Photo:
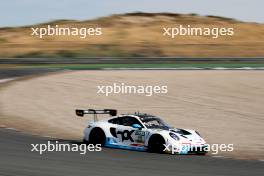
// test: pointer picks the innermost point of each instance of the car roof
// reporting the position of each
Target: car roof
(140, 116)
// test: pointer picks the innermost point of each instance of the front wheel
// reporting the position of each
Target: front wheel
(85, 142)
(156, 144)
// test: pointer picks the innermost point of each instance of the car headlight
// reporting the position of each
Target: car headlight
(174, 136)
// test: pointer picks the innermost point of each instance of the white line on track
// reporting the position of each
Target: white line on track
(13, 129)
(7, 80)
(218, 156)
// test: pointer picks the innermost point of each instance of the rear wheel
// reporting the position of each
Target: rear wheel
(97, 136)
(156, 144)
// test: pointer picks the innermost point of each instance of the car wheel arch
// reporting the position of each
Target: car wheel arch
(156, 135)
(156, 139)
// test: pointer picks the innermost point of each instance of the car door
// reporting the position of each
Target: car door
(129, 136)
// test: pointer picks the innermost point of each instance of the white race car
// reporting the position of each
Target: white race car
(141, 132)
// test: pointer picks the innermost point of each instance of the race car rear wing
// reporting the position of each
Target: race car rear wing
(81, 113)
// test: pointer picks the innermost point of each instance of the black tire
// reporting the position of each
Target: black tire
(156, 144)
(85, 142)
(97, 136)
(202, 153)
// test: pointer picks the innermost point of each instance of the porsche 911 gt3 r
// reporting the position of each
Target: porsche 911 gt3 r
(141, 132)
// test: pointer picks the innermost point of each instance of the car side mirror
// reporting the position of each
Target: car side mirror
(137, 126)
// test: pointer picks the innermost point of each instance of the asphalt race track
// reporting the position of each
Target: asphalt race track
(17, 159)
(19, 72)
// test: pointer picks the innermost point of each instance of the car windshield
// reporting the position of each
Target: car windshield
(154, 123)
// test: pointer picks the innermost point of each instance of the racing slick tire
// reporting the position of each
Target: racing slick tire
(97, 136)
(85, 142)
(156, 144)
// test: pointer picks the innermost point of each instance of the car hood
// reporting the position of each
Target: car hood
(186, 135)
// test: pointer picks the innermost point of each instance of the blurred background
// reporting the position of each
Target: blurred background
(131, 28)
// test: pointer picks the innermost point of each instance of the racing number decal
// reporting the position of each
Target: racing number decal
(140, 136)
(126, 135)
(140, 133)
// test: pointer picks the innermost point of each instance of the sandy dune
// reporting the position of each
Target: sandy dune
(224, 106)
(144, 31)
